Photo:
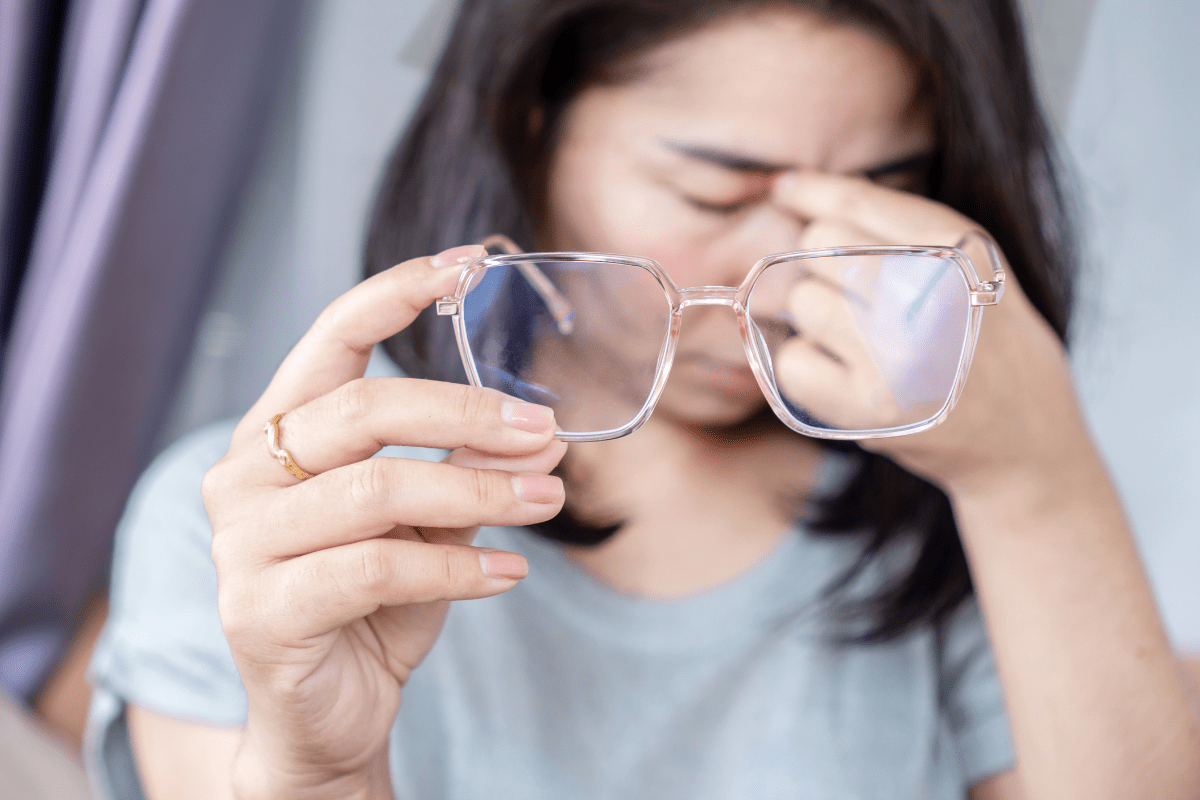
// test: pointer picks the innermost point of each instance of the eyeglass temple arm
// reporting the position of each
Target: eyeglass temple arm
(560, 308)
(989, 291)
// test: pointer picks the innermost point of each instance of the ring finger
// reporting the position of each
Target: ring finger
(357, 419)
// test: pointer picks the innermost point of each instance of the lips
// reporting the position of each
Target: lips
(734, 377)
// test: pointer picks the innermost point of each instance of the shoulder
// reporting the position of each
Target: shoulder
(163, 623)
(165, 511)
(162, 647)
(177, 472)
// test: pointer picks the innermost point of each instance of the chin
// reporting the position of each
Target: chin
(710, 409)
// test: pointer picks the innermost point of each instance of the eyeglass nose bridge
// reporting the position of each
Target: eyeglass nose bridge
(708, 296)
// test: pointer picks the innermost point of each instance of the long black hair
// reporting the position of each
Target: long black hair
(472, 163)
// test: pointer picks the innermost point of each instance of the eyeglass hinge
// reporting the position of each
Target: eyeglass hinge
(447, 308)
(989, 292)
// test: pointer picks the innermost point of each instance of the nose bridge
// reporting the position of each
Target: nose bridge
(707, 296)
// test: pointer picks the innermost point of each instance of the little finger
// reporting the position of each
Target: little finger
(542, 461)
(326, 590)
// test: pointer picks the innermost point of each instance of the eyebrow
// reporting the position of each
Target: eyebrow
(723, 158)
(738, 162)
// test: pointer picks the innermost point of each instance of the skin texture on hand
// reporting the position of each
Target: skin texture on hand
(332, 590)
(1098, 702)
(996, 431)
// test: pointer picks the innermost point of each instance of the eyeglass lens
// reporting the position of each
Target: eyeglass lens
(598, 372)
(849, 343)
(857, 343)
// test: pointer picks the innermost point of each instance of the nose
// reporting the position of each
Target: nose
(725, 261)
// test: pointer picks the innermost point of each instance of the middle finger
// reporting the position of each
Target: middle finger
(370, 498)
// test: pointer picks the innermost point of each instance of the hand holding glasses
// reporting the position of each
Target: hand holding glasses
(845, 343)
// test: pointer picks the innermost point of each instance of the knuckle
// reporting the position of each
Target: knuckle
(355, 400)
(223, 550)
(376, 567)
(445, 572)
(237, 606)
(215, 484)
(480, 487)
(371, 485)
(452, 573)
(235, 622)
(334, 321)
(328, 321)
(472, 407)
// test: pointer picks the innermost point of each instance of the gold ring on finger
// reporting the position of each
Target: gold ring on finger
(279, 453)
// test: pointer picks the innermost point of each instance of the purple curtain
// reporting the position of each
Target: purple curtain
(156, 116)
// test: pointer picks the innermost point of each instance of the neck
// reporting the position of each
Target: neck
(697, 507)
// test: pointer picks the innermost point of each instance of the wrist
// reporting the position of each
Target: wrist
(1065, 494)
(260, 776)
(1042, 472)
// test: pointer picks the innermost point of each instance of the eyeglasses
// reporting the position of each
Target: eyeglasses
(844, 343)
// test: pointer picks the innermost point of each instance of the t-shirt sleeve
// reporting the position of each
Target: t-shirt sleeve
(972, 699)
(162, 646)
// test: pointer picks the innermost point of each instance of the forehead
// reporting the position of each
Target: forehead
(781, 84)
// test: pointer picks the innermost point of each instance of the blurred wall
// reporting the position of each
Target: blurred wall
(299, 237)
(1119, 81)
(1132, 130)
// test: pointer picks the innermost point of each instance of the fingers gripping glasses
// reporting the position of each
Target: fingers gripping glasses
(844, 343)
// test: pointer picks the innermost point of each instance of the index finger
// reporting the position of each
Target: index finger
(895, 217)
(337, 346)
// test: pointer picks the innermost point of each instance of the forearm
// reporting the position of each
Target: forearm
(183, 760)
(1100, 705)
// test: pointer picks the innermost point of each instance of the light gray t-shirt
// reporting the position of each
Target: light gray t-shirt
(563, 688)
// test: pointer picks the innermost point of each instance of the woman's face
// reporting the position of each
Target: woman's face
(677, 164)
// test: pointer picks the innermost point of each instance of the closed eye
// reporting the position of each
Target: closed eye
(724, 209)
(909, 174)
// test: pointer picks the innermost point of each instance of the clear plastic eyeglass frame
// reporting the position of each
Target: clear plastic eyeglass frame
(981, 293)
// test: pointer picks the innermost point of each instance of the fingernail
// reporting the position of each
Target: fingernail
(457, 256)
(538, 488)
(527, 416)
(499, 564)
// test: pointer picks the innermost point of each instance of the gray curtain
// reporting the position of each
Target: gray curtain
(155, 116)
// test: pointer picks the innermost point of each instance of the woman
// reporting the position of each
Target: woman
(715, 606)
